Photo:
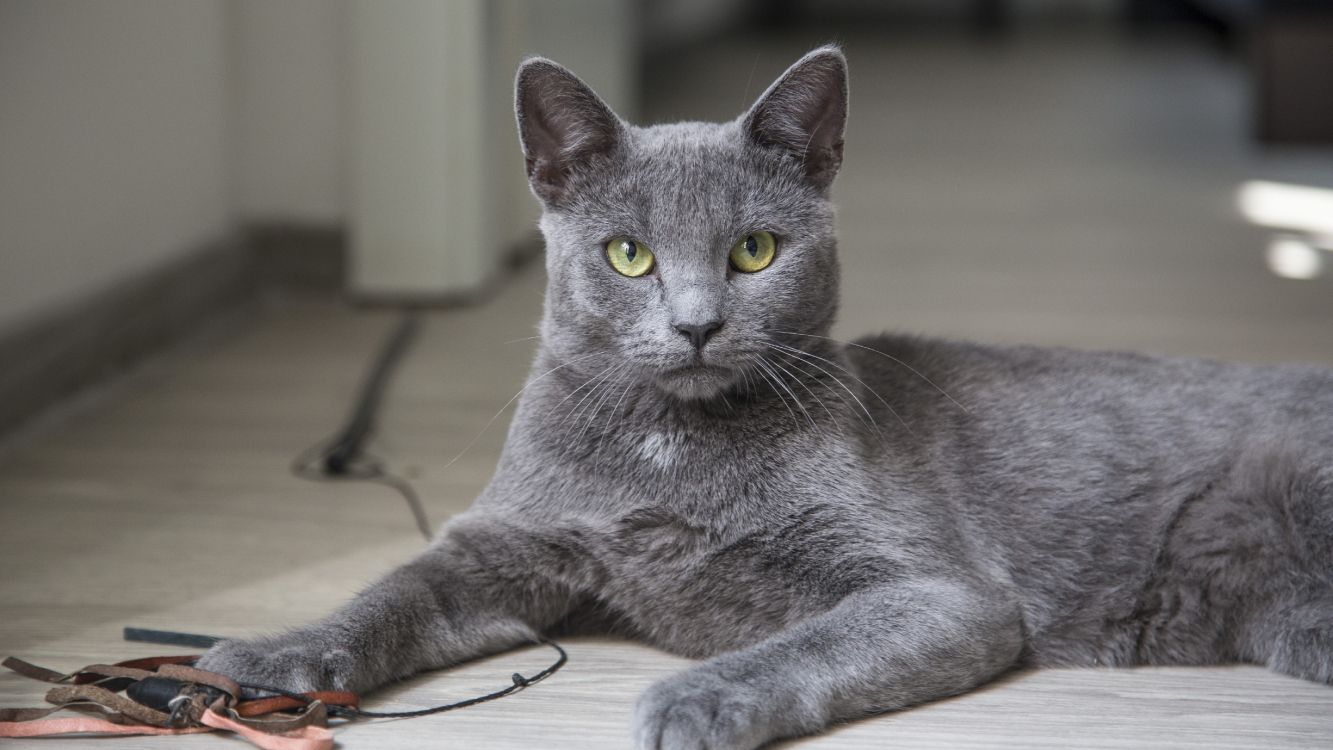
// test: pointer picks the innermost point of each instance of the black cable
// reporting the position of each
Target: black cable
(346, 446)
(343, 456)
(518, 683)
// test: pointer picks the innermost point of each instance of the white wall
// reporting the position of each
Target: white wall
(134, 132)
(417, 180)
(290, 109)
(113, 137)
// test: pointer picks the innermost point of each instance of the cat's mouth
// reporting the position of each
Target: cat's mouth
(696, 381)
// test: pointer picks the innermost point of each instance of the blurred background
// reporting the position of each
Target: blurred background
(1062, 171)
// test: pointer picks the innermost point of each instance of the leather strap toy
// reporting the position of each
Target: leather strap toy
(164, 695)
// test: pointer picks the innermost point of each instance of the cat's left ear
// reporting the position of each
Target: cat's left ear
(804, 113)
(562, 125)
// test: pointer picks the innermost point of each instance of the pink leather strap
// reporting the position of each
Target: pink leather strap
(84, 725)
(306, 738)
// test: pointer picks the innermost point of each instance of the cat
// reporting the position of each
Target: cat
(836, 529)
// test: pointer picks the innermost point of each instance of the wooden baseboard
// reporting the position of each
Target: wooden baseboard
(64, 352)
(60, 354)
(103, 335)
(299, 256)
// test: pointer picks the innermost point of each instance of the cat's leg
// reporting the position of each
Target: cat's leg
(877, 650)
(1289, 626)
(482, 587)
(1299, 641)
(1292, 630)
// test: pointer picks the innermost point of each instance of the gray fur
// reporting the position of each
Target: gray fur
(836, 529)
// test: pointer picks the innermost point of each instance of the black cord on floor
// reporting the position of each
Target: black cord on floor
(518, 682)
(343, 456)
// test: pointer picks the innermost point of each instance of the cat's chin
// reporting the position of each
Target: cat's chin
(697, 382)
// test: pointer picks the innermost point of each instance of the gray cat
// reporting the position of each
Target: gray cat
(836, 529)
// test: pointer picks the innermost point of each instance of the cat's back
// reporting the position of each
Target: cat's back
(1030, 390)
(1069, 472)
(1046, 441)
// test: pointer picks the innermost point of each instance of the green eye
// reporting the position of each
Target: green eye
(629, 257)
(754, 252)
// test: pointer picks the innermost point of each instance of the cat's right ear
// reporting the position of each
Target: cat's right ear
(562, 125)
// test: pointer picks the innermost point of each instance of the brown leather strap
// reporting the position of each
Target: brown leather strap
(26, 714)
(283, 703)
(32, 714)
(28, 669)
(112, 670)
(150, 663)
(108, 712)
(61, 696)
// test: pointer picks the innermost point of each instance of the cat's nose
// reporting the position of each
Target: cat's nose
(698, 333)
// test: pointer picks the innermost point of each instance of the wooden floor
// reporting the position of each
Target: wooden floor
(1074, 192)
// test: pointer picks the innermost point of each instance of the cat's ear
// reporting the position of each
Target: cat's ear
(804, 112)
(562, 124)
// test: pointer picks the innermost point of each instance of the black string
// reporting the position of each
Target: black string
(342, 457)
(518, 683)
(365, 468)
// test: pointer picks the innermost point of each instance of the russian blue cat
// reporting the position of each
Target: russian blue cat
(835, 529)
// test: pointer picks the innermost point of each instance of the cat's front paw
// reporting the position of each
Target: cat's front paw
(700, 708)
(289, 663)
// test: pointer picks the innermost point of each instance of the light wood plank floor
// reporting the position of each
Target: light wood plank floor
(1070, 192)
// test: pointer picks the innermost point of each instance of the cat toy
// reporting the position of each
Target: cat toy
(166, 695)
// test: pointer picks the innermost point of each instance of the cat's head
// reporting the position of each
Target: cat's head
(677, 253)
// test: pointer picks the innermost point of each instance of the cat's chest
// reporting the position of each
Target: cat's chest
(700, 553)
(695, 586)
(703, 536)
(698, 468)
(662, 451)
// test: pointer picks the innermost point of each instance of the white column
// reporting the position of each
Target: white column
(436, 187)
(417, 174)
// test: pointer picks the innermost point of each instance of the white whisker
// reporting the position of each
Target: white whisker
(531, 382)
(576, 412)
(801, 383)
(596, 408)
(805, 354)
(612, 416)
(764, 363)
(890, 357)
(767, 379)
(796, 363)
